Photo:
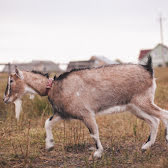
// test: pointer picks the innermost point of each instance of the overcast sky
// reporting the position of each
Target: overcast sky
(64, 30)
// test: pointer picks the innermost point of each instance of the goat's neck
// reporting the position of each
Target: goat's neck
(35, 83)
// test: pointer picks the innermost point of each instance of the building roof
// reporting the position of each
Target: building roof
(79, 65)
(162, 45)
(143, 53)
(103, 59)
(94, 61)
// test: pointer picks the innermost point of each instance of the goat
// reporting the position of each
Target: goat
(81, 94)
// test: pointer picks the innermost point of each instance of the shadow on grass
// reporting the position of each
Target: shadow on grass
(80, 148)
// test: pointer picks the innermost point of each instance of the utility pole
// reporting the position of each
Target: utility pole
(161, 28)
(161, 38)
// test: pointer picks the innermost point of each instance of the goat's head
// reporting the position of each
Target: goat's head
(15, 86)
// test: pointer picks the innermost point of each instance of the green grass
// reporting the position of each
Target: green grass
(22, 144)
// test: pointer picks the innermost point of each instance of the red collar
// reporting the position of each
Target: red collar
(49, 83)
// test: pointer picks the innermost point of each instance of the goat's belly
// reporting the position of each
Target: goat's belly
(114, 109)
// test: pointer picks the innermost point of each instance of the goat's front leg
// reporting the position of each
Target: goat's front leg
(48, 127)
(91, 124)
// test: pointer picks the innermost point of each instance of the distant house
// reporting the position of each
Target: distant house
(43, 66)
(94, 61)
(159, 55)
(79, 65)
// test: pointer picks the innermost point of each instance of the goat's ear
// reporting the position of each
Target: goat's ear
(19, 73)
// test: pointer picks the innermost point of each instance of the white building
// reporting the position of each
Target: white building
(159, 55)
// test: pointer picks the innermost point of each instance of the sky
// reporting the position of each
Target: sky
(71, 30)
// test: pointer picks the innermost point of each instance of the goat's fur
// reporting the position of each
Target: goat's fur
(81, 94)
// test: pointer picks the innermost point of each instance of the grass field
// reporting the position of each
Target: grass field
(22, 144)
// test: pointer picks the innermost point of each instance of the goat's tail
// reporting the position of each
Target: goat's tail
(148, 65)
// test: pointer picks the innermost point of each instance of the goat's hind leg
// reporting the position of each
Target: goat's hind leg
(164, 118)
(156, 111)
(151, 120)
(48, 127)
(154, 124)
(166, 129)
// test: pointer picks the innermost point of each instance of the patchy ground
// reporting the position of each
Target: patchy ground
(22, 144)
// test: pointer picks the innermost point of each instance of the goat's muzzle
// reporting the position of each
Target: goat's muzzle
(6, 100)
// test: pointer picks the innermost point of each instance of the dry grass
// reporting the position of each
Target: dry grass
(22, 144)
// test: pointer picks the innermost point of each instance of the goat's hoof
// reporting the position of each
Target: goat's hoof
(143, 150)
(167, 139)
(146, 146)
(49, 145)
(50, 148)
(92, 149)
(97, 154)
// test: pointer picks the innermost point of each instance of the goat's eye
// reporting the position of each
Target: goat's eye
(11, 81)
